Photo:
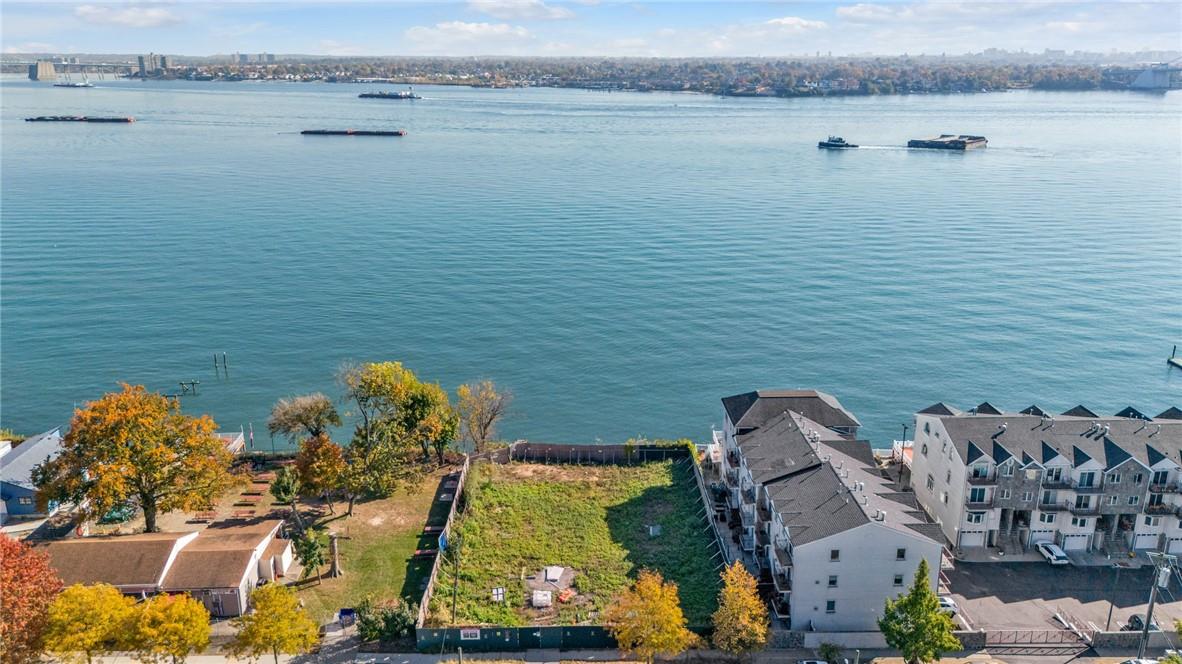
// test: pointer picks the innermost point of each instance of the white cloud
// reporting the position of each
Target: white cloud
(535, 10)
(334, 47)
(31, 47)
(134, 16)
(797, 24)
(464, 38)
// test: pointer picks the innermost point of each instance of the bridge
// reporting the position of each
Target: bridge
(1159, 76)
(47, 70)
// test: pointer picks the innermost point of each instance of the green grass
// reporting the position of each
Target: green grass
(377, 558)
(591, 518)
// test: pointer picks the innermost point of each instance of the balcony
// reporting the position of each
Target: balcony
(732, 476)
(1090, 508)
(1163, 488)
(749, 496)
(732, 458)
(1161, 509)
(783, 582)
(1092, 488)
(747, 516)
(986, 480)
(1061, 483)
(747, 542)
(765, 515)
(1053, 507)
(975, 505)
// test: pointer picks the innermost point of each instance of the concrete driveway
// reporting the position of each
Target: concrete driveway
(1027, 595)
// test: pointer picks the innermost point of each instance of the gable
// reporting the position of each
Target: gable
(1080, 411)
(939, 408)
(1132, 413)
(986, 408)
(1033, 410)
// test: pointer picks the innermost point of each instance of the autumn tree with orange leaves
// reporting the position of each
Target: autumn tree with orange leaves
(27, 587)
(135, 446)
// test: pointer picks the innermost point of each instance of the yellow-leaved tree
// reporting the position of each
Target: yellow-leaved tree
(85, 621)
(276, 624)
(646, 619)
(170, 628)
(136, 446)
(741, 621)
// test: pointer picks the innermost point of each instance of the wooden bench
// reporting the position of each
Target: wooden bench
(425, 553)
(243, 514)
(432, 530)
(205, 516)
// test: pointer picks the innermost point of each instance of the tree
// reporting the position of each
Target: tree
(310, 550)
(428, 418)
(170, 628)
(285, 489)
(309, 415)
(27, 586)
(914, 625)
(481, 405)
(829, 652)
(85, 621)
(647, 620)
(320, 465)
(137, 445)
(741, 621)
(378, 456)
(277, 624)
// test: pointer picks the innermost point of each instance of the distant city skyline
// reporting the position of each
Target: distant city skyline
(587, 27)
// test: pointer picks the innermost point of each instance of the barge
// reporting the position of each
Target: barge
(79, 118)
(835, 143)
(352, 132)
(409, 94)
(949, 142)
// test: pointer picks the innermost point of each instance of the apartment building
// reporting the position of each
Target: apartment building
(830, 536)
(1080, 480)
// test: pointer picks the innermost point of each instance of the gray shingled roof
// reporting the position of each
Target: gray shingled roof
(753, 409)
(1108, 440)
(16, 467)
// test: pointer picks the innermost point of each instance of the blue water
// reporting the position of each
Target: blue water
(620, 261)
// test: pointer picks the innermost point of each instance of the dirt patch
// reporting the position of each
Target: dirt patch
(551, 473)
(377, 520)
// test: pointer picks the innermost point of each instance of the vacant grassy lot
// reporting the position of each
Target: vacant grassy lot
(592, 519)
(377, 558)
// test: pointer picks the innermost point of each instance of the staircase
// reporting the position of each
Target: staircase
(1116, 545)
(1009, 544)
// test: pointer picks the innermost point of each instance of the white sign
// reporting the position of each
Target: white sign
(469, 635)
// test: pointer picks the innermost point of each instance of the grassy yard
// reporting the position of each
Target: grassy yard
(377, 557)
(593, 519)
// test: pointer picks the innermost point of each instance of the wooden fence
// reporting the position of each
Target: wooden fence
(425, 602)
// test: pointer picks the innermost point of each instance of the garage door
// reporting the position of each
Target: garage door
(1042, 536)
(1174, 545)
(1075, 542)
(972, 538)
(1145, 541)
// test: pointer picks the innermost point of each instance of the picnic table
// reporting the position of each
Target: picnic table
(243, 514)
(264, 477)
(205, 516)
(432, 530)
(425, 553)
(250, 500)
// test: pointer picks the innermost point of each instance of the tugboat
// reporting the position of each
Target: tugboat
(84, 83)
(408, 94)
(835, 143)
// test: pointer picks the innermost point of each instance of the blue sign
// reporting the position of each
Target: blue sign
(443, 542)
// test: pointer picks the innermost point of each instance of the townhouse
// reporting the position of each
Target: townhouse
(829, 534)
(1078, 479)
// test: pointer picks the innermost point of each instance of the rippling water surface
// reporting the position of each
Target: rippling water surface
(620, 261)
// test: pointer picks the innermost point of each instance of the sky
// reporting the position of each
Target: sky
(660, 28)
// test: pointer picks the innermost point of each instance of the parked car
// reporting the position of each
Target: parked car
(1137, 623)
(948, 605)
(1139, 661)
(1053, 553)
(811, 661)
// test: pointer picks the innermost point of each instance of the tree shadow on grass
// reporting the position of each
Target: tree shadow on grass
(418, 569)
(683, 550)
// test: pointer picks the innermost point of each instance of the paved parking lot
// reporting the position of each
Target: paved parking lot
(1027, 595)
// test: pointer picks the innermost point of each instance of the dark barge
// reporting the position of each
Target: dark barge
(79, 118)
(949, 142)
(352, 132)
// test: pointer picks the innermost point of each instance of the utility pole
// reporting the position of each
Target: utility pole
(456, 543)
(1112, 596)
(1162, 565)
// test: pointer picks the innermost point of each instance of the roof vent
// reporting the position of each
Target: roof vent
(1155, 431)
(879, 515)
(865, 500)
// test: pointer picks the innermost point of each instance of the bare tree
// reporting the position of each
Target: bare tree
(480, 405)
(306, 416)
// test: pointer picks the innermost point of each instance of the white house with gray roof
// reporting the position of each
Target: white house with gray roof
(1078, 479)
(830, 535)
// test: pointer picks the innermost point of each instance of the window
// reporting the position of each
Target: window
(1079, 522)
(931, 482)
(1152, 520)
(1087, 479)
(924, 449)
(1112, 500)
(944, 497)
(1048, 497)
(24, 500)
(948, 477)
(1083, 502)
(1054, 474)
(977, 495)
(927, 427)
(1007, 470)
(832, 580)
(975, 517)
(1027, 496)
(900, 554)
(980, 471)
(834, 555)
(1005, 494)
(1133, 500)
(1113, 478)
(898, 580)
(1047, 517)
(1155, 499)
(1138, 478)
(831, 606)
(1160, 477)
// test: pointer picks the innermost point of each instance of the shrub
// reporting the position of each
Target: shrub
(386, 621)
